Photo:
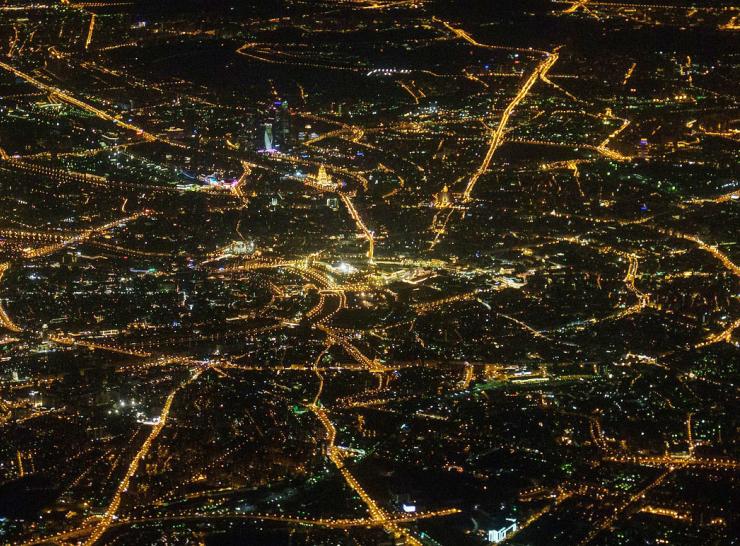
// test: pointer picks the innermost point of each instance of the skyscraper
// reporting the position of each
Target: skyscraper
(282, 124)
(268, 136)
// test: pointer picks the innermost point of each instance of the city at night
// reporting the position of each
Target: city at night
(370, 272)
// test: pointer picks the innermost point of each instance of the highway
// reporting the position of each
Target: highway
(619, 510)
(675, 461)
(497, 134)
(496, 138)
(574, 5)
(723, 336)
(238, 188)
(366, 233)
(335, 456)
(472, 41)
(112, 509)
(90, 30)
(195, 516)
(5, 320)
(69, 99)
(731, 266)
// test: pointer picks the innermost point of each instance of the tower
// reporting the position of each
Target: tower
(268, 137)
(323, 178)
(282, 124)
(275, 127)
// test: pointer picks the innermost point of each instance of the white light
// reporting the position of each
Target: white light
(345, 268)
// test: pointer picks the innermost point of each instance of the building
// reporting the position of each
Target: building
(282, 124)
(268, 137)
(323, 178)
(275, 127)
(442, 199)
(499, 535)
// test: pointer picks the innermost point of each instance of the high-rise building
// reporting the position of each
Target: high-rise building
(275, 127)
(282, 124)
(268, 136)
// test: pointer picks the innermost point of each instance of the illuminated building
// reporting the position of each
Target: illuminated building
(499, 535)
(268, 137)
(323, 179)
(442, 199)
(282, 125)
(275, 127)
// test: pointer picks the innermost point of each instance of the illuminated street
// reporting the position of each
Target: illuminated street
(369, 272)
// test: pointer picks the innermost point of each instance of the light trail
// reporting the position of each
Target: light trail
(371, 364)
(606, 152)
(83, 236)
(426, 307)
(248, 48)
(5, 320)
(497, 134)
(69, 99)
(599, 3)
(409, 91)
(600, 220)
(610, 520)
(690, 434)
(472, 41)
(335, 456)
(578, 4)
(611, 154)
(467, 377)
(13, 43)
(723, 336)
(318, 374)
(732, 24)
(61, 175)
(90, 31)
(238, 188)
(70, 341)
(91, 5)
(9, 324)
(109, 514)
(628, 75)
(643, 300)
(338, 523)
(525, 326)
(129, 251)
(666, 512)
(573, 166)
(559, 499)
(724, 198)
(711, 249)
(673, 461)
(560, 88)
(366, 233)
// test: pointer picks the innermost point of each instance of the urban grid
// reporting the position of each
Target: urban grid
(370, 272)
